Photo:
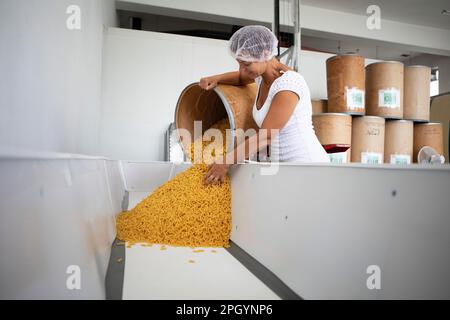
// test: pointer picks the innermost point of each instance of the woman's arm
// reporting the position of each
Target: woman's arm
(233, 78)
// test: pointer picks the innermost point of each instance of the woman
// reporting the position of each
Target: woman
(282, 103)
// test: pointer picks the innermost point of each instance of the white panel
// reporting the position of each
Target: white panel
(54, 214)
(116, 184)
(144, 178)
(147, 176)
(179, 168)
(135, 197)
(318, 228)
(154, 274)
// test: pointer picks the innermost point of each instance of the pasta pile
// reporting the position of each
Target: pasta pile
(183, 212)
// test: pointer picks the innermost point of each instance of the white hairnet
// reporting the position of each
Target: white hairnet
(253, 44)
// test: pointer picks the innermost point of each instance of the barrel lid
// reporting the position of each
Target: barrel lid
(344, 55)
(331, 114)
(429, 124)
(400, 120)
(373, 117)
(418, 66)
(385, 62)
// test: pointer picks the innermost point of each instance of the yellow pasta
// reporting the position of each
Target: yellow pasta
(183, 212)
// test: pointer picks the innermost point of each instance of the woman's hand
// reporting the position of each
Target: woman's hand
(216, 173)
(208, 83)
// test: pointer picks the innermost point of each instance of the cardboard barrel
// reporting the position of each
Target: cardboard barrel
(346, 84)
(398, 142)
(384, 89)
(428, 134)
(319, 106)
(209, 107)
(334, 129)
(417, 93)
(440, 112)
(368, 139)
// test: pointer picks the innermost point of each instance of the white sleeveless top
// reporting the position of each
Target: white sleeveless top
(297, 141)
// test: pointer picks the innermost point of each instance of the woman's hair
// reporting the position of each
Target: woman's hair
(253, 44)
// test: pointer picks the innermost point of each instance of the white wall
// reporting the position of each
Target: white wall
(50, 77)
(56, 211)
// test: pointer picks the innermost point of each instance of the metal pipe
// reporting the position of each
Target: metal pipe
(276, 22)
(297, 35)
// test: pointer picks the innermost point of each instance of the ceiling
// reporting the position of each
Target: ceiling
(421, 12)
(352, 45)
(418, 12)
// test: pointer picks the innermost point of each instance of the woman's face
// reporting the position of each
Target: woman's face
(251, 70)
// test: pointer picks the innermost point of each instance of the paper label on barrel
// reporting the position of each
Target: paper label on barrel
(371, 158)
(338, 157)
(355, 99)
(400, 159)
(389, 98)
